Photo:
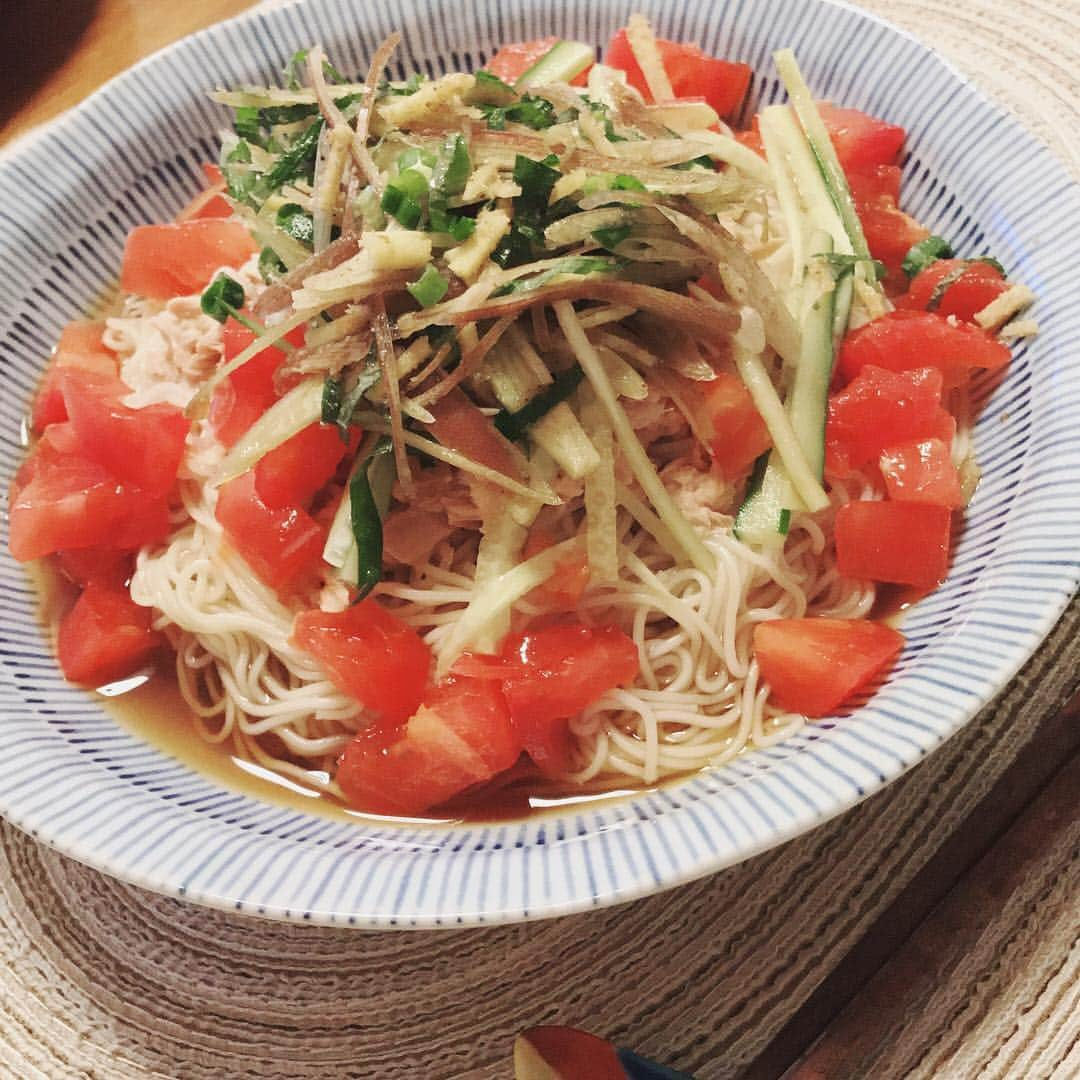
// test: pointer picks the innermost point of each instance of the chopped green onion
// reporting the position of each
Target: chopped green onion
(611, 237)
(453, 167)
(536, 179)
(491, 90)
(514, 425)
(413, 155)
(224, 296)
(922, 254)
(429, 288)
(270, 265)
(405, 89)
(296, 159)
(293, 219)
(365, 517)
(298, 60)
(403, 197)
(532, 112)
(246, 124)
(581, 265)
(341, 395)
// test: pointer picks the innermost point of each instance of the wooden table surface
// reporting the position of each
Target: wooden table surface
(942, 911)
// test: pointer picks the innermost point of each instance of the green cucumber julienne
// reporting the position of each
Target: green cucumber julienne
(561, 63)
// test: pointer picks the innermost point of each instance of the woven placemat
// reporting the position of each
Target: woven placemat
(100, 979)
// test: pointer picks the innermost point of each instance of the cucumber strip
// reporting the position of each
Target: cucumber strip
(560, 63)
(765, 514)
(753, 374)
(299, 408)
(817, 136)
(807, 401)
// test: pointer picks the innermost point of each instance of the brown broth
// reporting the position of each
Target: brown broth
(150, 706)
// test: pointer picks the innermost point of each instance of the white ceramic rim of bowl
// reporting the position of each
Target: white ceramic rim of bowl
(641, 845)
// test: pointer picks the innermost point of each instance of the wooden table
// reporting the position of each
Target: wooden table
(941, 913)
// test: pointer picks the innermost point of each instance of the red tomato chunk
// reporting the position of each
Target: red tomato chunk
(903, 340)
(138, 446)
(81, 347)
(459, 737)
(692, 73)
(282, 545)
(106, 636)
(879, 409)
(905, 543)
(250, 390)
(922, 472)
(551, 675)
(973, 286)
(163, 261)
(61, 500)
(290, 474)
(368, 653)
(862, 141)
(740, 435)
(814, 665)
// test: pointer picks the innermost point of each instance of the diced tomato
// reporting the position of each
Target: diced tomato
(211, 201)
(281, 544)
(80, 346)
(862, 141)
(566, 1052)
(903, 340)
(290, 474)
(250, 390)
(460, 425)
(556, 672)
(163, 261)
(813, 665)
(460, 736)
(976, 285)
(106, 566)
(881, 408)
(61, 500)
(512, 61)
(692, 73)
(740, 433)
(105, 636)
(142, 447)
(889, 232)
(371, 655)
(922, 472)
(874, 182)
(902, 542)
(564, 588)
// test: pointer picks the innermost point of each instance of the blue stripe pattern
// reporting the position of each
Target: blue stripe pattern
(131, 154)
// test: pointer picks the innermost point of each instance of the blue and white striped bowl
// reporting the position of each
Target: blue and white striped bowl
(131, 154)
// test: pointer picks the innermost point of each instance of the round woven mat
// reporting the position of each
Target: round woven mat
(103, 980)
